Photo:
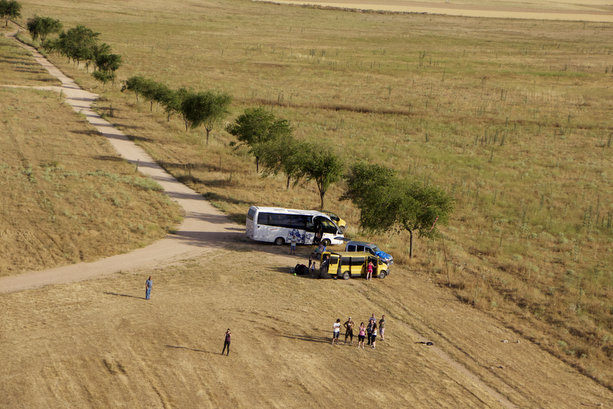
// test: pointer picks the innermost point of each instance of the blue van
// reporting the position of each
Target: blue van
(364, 247)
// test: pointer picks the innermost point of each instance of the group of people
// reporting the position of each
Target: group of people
(370, 331)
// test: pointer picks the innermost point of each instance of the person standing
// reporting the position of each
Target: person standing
(371, 321)
(349, 330)
(361, 334)
(226, 342)
(373, 337)
(148, 287)
(323, 267)
(292, 242)
(369, 270)
(311, 264)
(382, 327)
(337, 331)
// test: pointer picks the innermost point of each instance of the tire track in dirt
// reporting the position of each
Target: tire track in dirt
(204, 228)
(456, 365)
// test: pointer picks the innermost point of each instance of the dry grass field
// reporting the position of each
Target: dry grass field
(512, 117)
(67, 196)
(100, 344)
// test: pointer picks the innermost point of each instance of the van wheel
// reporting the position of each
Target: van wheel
(279, 241)
(382, 274)
(346, 275)
(325, 242)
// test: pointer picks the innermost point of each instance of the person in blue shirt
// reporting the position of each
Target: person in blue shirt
(148, 287)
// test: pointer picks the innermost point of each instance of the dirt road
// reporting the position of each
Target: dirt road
(537, 10)
(203, 227)
(98, 343)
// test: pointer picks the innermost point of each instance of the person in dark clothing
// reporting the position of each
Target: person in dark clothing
(349, 330)
(369, 331)
(226, 342)
(323, 267)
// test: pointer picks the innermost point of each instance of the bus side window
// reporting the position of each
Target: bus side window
(264, 218)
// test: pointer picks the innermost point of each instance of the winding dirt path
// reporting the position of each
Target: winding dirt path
(203, 227)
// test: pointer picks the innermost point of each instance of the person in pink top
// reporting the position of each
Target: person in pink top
(361, 335)
(369, 269)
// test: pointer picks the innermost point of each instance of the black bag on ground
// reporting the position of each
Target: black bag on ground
(301, 269)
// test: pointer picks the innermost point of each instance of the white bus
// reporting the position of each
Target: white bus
(275, 225)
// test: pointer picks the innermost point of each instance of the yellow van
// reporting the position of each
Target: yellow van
(351, 264)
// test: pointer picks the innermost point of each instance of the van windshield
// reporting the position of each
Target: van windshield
(326, 225)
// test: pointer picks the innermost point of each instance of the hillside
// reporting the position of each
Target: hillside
(509, 116)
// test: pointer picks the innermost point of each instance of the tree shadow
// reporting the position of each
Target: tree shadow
(138, 138)
(221, 198)
(84, 132)
(109, 158)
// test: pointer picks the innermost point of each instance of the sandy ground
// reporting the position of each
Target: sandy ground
(98, 343)
(590, 10)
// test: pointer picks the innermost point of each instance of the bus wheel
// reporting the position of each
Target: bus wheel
(382, 274)
(346, 275)
(279, 241)
(325, 242)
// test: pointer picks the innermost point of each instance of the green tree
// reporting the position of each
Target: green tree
(108, 62)
(97, 51)
(104, 76)
(148, 88)
(324, 167)
(78, 43)
(172, 100)
(134, 84)
(9, 9)
(387, 202)
(257, 126)
(283, 154)
(205, 108)
(363, 179)
(42, 27)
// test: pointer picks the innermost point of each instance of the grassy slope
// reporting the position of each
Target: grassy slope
(67, 196)
(512, 117)
(99, 344)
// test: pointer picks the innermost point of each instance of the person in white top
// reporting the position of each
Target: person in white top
(337, 331)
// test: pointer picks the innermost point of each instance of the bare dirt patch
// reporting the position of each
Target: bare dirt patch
(540, 10)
